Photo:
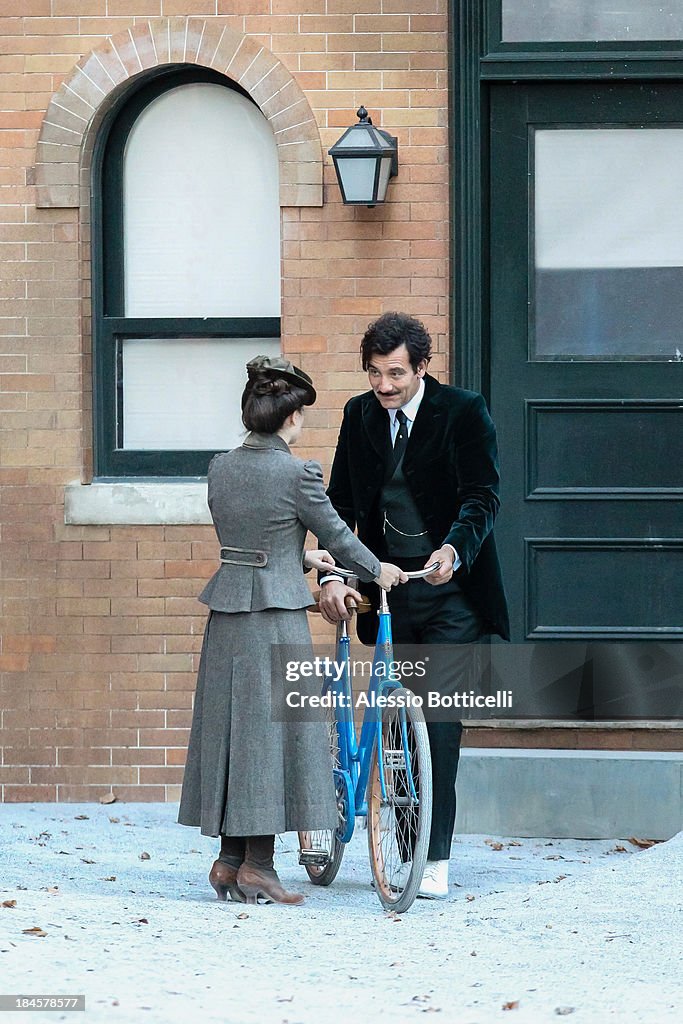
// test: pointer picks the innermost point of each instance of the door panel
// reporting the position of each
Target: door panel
(586, 314)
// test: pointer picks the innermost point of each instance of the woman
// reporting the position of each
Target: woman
(248, 777)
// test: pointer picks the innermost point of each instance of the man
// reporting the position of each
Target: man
(416, 472)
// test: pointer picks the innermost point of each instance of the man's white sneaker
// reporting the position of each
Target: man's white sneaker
(434, 885)
(399, 876)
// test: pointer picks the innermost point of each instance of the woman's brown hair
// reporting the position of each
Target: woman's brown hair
(268, 400)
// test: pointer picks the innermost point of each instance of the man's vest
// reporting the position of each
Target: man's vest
(405, 533)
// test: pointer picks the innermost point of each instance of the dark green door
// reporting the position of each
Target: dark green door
(586, 356)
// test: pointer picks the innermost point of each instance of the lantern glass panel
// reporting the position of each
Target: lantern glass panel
(358, 177)
(384, 172)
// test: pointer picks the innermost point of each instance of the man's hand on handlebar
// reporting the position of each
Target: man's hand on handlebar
(333, 601)
(445, 570)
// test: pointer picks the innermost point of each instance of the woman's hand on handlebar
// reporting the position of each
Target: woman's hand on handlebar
(390, 576)
(319, 559)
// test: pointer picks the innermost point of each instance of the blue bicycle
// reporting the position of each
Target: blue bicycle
(385, 775)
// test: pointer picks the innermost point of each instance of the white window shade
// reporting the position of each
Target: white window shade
(200, 208)
(608, 244)
(609, 197)
(184, 393)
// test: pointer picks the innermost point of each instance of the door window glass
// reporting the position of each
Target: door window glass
(607, 244)
(590, 20)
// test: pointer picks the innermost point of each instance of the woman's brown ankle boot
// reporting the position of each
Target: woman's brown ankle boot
(258, 879)
(223, 874)
(223, 877)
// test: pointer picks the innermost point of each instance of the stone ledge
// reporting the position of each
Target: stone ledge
(586, 794)
(133, 502)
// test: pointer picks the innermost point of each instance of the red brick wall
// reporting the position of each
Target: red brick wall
(100, 625)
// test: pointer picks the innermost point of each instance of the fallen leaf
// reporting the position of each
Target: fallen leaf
(109, 878)
(86, 861)
(513, 1005)
(115, 821)
(493, 845)
(141, 920)
(108, 798)
(81, 817)
(644, 844)
(145, 856)
(392, 915)
(513, 842)
(53, 890)
(38, 932)
(562, 1011)
(243, 917)
(9, 903)
(620, 849)
(469, 898)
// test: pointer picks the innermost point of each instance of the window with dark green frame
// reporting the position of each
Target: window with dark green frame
(186, 271)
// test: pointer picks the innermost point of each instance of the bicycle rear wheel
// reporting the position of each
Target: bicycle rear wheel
(399, 821)
(321, 851)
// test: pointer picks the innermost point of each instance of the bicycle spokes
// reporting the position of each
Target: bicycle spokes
(399, 807)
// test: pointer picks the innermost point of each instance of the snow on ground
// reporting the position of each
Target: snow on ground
(535, 929)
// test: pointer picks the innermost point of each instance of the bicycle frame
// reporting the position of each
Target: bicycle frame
(356, 755)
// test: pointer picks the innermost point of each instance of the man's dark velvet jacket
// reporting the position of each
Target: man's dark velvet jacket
(451, 468)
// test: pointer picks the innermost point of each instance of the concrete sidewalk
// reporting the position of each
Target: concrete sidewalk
(535, 929)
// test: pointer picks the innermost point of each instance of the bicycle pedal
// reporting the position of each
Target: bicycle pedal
(394, 759)
(316, 857)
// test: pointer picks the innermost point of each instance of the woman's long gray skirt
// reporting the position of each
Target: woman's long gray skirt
(245, 773)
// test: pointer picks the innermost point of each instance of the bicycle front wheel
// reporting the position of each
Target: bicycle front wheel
(400, 813)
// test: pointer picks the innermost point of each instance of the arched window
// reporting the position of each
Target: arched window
(186, 271)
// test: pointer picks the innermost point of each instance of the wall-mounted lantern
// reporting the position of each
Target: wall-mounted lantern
(365, 158)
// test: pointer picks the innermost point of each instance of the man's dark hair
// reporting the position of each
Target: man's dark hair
(389, 332)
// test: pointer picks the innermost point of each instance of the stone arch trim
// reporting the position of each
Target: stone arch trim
(78, 107)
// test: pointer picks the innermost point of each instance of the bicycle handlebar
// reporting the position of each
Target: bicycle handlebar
(417, 574)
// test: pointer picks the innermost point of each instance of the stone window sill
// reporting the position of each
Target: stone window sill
(133, 502)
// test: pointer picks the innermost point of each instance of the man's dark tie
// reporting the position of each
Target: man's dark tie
(401, 440)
